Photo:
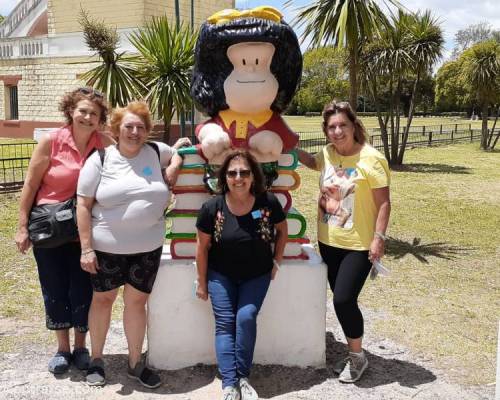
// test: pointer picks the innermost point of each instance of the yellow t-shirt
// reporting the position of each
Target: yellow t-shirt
(346, 210)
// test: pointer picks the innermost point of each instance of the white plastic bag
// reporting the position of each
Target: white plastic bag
(378, 268)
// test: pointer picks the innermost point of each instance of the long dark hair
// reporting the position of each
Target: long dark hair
(257, 187)
(344, 107)
(212, 66)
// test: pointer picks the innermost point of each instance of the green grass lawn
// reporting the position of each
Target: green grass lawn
(313, 124)
(442, 297)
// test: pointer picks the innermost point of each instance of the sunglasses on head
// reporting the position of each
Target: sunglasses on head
(89, 91)
(243, 173)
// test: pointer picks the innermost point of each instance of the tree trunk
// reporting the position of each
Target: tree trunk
(167, 122)
(406, 131)
(484, 127)
(493, 129)
(381, 123)
(353, 77)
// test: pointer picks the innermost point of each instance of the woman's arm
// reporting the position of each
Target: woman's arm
(173, 169)
(40, 161)
(279, 246)
(382, 199)
(182, 142)
(88, 259)
(306, 159)
(203, 241)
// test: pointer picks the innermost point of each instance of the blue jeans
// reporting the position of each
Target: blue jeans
(235, 305)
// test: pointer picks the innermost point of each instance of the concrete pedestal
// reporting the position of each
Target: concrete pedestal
(290, 326)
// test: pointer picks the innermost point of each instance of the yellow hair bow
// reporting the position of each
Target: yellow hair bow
(262, 12)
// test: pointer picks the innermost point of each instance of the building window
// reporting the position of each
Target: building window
(13, 109)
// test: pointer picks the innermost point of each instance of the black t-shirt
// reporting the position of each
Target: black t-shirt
(241, 245)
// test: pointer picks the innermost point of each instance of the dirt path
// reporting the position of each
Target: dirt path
(394, 373)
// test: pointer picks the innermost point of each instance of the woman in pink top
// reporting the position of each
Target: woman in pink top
(51, 178)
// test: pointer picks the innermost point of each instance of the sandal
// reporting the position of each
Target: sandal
(81, 358)
(144, 375)
(95, 373)
(59, 364)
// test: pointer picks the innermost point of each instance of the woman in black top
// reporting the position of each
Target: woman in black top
(236, 262)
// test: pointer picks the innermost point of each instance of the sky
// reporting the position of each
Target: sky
(453, 14)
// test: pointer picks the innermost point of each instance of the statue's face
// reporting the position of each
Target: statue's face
(251, 87)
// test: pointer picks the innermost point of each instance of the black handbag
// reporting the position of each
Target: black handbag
(52, 225)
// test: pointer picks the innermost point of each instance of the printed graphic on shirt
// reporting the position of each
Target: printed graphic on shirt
(337, 191)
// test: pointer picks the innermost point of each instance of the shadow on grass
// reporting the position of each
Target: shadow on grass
(421, 251)
(432, 168)
(268, 380)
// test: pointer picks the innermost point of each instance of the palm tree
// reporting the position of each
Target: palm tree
(482, 71)
(424, 47)
(166, 56)
(115, 75)
(346, 23)
(405, 49)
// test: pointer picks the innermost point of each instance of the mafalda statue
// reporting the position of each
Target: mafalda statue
(247, 68)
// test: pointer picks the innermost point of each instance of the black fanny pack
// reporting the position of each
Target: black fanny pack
(52, 225)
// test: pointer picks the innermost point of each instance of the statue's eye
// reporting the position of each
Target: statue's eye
(256, 61)
(244, 62)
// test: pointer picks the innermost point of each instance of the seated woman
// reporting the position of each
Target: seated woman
(121, 198)
(236, 262)
(51, 178)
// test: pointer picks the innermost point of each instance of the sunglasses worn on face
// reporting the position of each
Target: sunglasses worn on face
(88, 91)
(243, 173)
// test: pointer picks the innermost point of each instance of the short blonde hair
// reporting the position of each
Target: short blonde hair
(139, 108)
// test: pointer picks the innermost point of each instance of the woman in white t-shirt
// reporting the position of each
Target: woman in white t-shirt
(122, 195)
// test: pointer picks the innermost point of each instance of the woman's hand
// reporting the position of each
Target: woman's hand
(276, 268)
(202, 290)
(377, 249)
(88, 261)
(22, 240)
(182, 142)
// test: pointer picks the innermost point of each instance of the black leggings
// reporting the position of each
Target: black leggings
(347, 273)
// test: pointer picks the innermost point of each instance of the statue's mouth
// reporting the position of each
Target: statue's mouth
(250, 81)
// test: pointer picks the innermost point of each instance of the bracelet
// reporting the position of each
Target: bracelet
(381, 236)
(84, 253)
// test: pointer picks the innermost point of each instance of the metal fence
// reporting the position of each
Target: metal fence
(14, 157)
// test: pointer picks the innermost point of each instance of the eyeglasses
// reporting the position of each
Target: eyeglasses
(243, 173)
(89, 91)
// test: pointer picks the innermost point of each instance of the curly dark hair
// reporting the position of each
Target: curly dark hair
(71, 99)
(344, 107)
(212, 66)
(258, 186)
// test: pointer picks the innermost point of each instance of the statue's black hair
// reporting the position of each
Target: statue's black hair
(212, 65)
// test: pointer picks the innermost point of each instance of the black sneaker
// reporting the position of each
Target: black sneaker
(144, 375)
(59, 364)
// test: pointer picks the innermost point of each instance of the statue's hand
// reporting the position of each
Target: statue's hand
(214, 141)
(266, 146)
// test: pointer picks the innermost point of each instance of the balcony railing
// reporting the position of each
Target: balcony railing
(23, 48)
(17, 16)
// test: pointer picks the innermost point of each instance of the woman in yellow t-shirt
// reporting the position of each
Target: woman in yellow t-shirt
(353, 213)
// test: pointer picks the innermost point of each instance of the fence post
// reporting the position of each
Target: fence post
(471, 134)
(371, 140)
(452, 134)
(430, 138)
(456, 128)
(423, 130)
(441, 129)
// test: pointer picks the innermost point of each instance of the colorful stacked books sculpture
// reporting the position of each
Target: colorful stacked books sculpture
(190, 193)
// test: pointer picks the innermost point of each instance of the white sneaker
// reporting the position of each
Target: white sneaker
(247, 391)
(354, 367)
(230, 393)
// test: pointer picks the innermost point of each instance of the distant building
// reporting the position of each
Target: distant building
(42, 51)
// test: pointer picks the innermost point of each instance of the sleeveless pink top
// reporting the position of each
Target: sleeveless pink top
(60, 179)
